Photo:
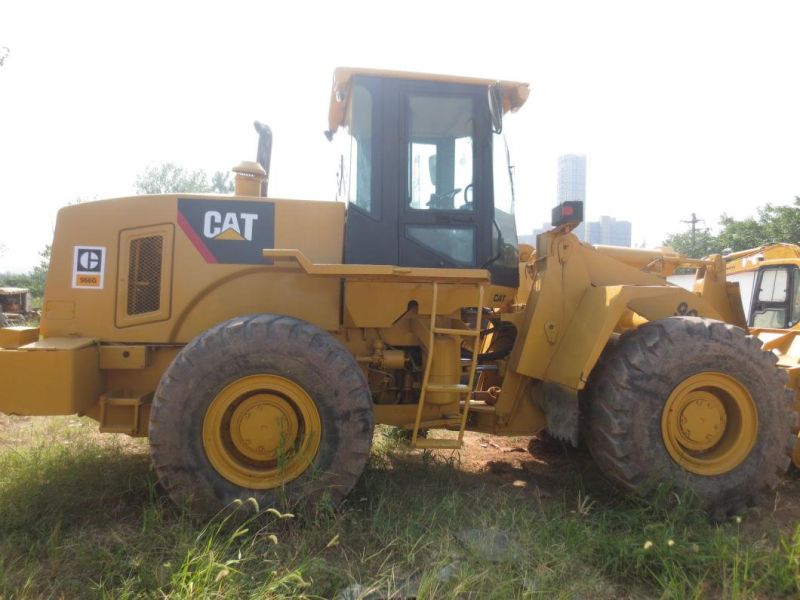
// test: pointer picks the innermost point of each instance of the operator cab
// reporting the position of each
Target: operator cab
(774, 301)
(425, 170)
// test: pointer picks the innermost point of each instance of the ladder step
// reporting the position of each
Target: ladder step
(448, 387)
(480, 407)
(449, 331)
(438, 443)
(467, 362)
(432, 423)
(111, 401)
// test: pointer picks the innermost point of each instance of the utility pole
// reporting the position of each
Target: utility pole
(693, 222)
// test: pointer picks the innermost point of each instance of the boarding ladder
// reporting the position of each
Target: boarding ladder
(460, 388)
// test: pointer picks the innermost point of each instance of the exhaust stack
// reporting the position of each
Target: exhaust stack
(250, 179)
(264, 153)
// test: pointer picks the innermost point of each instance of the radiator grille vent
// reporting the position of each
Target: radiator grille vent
(144, 275)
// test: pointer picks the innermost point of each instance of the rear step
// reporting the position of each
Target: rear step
(122, 412)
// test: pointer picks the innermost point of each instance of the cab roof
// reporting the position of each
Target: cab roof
(514, 93)
(768, 254)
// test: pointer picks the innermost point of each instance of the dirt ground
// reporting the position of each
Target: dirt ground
(544, 467)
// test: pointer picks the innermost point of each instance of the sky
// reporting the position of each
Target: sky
(679, 106)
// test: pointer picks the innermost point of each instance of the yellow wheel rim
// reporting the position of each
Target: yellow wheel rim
(709, 423)
(261, 431)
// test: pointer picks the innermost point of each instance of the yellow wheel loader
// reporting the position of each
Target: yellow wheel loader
(256, 340)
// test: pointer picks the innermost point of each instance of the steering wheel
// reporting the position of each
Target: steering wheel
(444, 201)
(467, 198)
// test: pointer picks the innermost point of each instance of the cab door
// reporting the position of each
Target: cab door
(445, 203)
(776, 298)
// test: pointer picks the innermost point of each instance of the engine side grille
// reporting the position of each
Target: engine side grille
(144, 275)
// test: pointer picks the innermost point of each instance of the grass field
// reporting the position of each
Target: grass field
(82, 516)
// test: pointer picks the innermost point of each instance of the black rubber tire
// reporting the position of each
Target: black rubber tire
(625, 397)
(250, 345)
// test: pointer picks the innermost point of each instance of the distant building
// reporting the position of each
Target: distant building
(609, 232)
(545, 227)
(530, 238)
(527, 238)
(572, 183)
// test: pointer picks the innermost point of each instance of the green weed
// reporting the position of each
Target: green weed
(82, 516)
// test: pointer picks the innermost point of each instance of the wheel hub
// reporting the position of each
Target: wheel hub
(263, 424)
(261, 431)
(702, 421)
(709, 423)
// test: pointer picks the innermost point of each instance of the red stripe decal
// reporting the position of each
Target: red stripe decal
(195, 239)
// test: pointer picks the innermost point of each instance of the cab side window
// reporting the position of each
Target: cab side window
(440, 153)
(771, 308)
(359, 178)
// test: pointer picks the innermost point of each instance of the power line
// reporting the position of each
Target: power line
(693, 222)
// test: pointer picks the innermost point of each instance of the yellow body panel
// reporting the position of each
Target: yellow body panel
(58, 376)
(200, 295)
(14, 337)
(123, 356)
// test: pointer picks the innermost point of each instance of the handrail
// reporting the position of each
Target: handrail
(358, 272)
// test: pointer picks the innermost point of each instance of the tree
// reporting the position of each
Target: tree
(740, 235)
(169, 178)
(705, 243)
(221, 183)
(773, 224)
(33, 279)
(782, 223)
(39, 272)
